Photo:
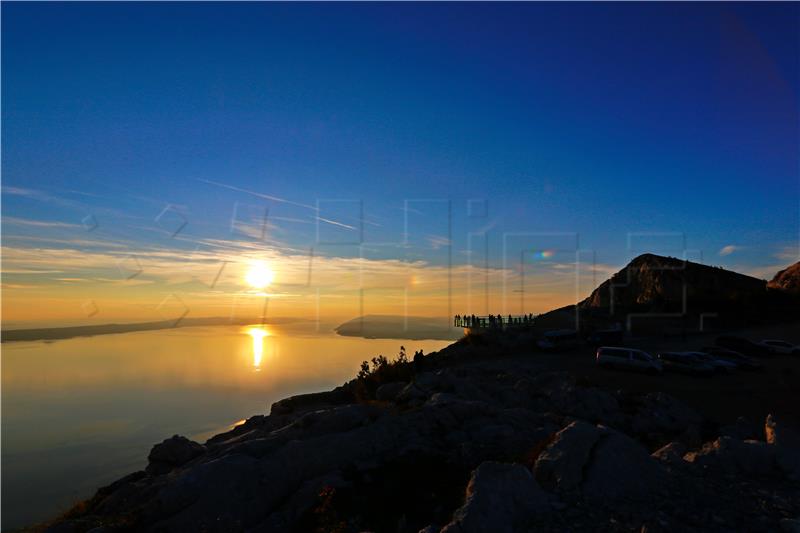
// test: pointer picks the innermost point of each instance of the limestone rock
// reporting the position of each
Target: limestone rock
(661, 414)
(314, 400)
(786, 443)
(598, 462)
(620, 468)
(751, 457)
(560, 466)
(171, 453)
(671, 453)
(500, 498)
(742, 429)
(389, 391)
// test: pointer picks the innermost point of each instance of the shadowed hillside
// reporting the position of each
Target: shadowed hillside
(666, 292)
(666, 284)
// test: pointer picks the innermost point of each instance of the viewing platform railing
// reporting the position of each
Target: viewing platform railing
(492, 321)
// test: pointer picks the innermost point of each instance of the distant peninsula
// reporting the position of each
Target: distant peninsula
(399, 327)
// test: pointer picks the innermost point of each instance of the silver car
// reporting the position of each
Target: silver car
(627, 358)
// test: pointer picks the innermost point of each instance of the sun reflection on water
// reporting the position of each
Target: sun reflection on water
(258, 333)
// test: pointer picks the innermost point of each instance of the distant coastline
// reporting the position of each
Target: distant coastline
(368, 327)
(60, 333)
(399, 327)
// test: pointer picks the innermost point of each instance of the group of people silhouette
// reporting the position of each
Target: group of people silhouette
(492, 321)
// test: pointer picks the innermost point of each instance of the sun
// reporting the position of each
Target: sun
(259, 275)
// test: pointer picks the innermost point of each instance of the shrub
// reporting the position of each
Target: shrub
(380, 370)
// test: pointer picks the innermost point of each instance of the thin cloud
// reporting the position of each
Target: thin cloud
(258, 194)
(789, 253)
(729, 249)
(21, 191)
(335, 223)
(41, 196)
(38, 223)
(762, 272)
(292, 219)
(486, 227)
(437, 241)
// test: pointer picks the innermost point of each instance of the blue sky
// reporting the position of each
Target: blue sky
(599, 120)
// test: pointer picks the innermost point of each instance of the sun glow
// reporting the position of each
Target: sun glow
(259, 276)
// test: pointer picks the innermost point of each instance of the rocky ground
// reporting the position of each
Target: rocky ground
(429, 446)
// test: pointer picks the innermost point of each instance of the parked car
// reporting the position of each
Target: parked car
(744, 362)
(685, 363)
(743, 346)
(719, 365)
(558, 340)
(604, 337)
(781, 347)
(627, 358)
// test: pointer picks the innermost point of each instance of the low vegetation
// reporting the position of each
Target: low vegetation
(381, 370)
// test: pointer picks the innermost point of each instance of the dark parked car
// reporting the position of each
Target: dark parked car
(606, 337)
(744, 362)
(719, 365)
(685, 363)
(743, 346)
(781, 347)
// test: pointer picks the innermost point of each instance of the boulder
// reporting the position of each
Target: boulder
(314, 400)
(661, 414)
(785, 441)
(586, 403)
(506, 436)
(671, 454)
(790, 525)
(389, 391)
(751, 457)
(439, 381)
(598, 462)
(412, 394)
(742, 429)
(620, 469)
(172, 453)
(560, 466)
(303, 500)
(500, 498)
(332, 420)
(216, 495)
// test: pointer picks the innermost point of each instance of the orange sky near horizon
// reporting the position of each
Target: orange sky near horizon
(65, 289)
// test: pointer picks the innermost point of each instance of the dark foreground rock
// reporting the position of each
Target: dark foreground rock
(172, 453)
(462, 449)
(500, 498)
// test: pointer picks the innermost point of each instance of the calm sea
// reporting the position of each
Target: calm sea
(80, 413)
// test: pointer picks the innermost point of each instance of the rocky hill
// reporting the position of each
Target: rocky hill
(463, 450)
(787, 279)
(666, 284)
(669, 294)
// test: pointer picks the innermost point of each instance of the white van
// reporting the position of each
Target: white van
(627, 358)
